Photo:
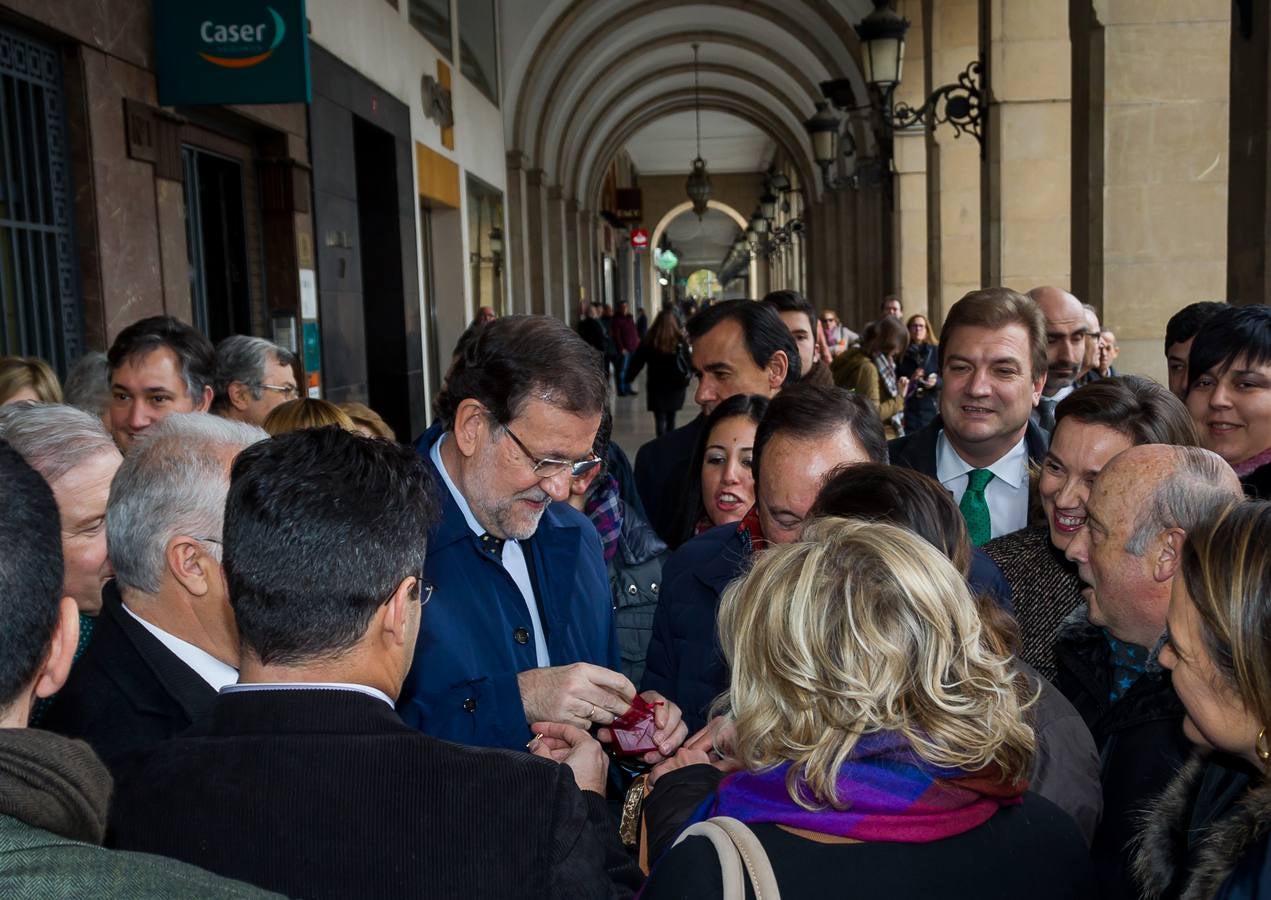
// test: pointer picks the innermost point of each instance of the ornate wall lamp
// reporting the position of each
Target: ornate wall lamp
(882, 33)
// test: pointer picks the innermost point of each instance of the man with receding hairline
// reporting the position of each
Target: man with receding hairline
(1141, 508)
(1065, 347)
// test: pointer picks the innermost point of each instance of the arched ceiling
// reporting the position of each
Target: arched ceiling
(729, 144)
(582, 73)
(702, 243)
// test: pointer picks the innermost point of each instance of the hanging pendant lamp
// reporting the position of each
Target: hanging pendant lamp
(698, 185)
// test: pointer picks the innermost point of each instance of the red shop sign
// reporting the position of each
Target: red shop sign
(640, 239)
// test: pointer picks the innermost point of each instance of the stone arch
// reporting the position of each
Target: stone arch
(674, 213)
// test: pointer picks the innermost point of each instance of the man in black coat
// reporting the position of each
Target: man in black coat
(1141, 507)
(739, 347)
(165, 641)
(807, 432)
(303, 779)
(993, 364)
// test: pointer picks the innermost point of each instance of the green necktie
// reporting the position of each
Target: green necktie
(974, 507)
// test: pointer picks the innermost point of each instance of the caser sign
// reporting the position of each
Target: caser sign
(231, 51)
(241, 45)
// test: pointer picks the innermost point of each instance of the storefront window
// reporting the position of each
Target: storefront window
(432, 19)
(485, 244)
(478, 47)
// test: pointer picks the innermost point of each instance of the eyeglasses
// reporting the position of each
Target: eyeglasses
(550, 468)
(288, 391)
(829, 320)
(426, 589)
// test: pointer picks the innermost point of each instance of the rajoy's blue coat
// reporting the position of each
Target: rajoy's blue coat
(462, 686)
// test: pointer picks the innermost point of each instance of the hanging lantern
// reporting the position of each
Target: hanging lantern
(699, 187)
(698, 184)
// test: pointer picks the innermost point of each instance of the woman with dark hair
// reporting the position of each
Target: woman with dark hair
(1092, 425)
(870, 370)
(723, 488)
(1229, 392)
(665, 352)
(1209, 833)
(921, 365)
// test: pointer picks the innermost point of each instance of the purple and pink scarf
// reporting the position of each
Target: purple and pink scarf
(889, 792)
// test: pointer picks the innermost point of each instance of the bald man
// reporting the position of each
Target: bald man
(1065, 348)
(1141, 508)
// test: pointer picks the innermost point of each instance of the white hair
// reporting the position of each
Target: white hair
(52, 438)
(172, 483)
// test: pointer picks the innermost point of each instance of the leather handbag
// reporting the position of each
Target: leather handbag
(738, 847)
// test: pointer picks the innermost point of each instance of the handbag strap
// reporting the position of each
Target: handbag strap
(737, 845)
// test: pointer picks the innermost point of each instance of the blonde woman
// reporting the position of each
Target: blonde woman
(27, 378)
(881, 742)
(1219, 655)
(308, 412)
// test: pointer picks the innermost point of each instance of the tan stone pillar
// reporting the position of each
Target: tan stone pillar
(909, 221)
(516, 258)
(535, 240)
(1154, 86)
(573, 269)
(953, 163)
(555, 240)
(1249, 208)
(1027, 217)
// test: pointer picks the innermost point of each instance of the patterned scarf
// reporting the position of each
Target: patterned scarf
(605, 509)
(887, 369)
(889, 793)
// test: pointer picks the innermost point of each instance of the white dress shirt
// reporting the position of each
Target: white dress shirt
(513, 558)
(208, 667)
(1006, 495)
(1063, 392)
(310, 686)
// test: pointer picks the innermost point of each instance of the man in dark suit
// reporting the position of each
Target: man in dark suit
(739, 347)
(993, 362)
(807, 432)
(165, 641)
(303, 779)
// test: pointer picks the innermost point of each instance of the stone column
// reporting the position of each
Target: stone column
(953, 163)
(573, 270)
(587, 235)
(1027, 218)
(536, 240)
(1158, 92)
(554, 238)
(516, 256)
(1248, 222)
(909, 170)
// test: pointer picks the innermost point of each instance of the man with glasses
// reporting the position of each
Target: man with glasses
(302, 779)
(522, 627)
(253, 376)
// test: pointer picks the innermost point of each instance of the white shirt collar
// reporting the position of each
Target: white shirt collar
(435, 455)
(309, 686)
(1011, 467)
(1062, 392)
(208, 667)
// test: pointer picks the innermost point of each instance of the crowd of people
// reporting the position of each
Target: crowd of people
(953, 614)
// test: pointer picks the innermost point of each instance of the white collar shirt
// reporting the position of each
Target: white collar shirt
(1006, 495)
(207, 666)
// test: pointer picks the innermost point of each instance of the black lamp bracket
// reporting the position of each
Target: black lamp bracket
(960, 104)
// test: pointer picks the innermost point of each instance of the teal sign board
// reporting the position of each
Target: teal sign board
(313, 359)
(231, 51)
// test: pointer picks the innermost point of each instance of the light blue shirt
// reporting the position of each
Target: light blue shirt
(513, 558)
(1006, 495)
(309, 686)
